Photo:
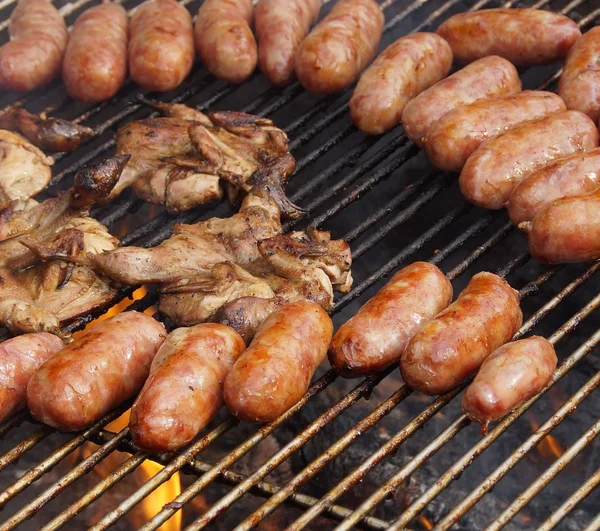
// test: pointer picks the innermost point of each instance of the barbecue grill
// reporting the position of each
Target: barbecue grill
(364, 453)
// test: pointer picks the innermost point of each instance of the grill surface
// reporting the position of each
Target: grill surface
(370, 452)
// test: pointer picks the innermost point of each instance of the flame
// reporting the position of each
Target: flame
(425, 522)
(549, 447)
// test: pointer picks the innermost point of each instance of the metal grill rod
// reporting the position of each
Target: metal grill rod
(24, 446)
(594, 525)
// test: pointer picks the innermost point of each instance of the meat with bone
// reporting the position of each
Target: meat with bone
(95, 373)
(19, 359)
(49, 134)
(275, 371)
(185, 386)
(523, 36)
(38, 38)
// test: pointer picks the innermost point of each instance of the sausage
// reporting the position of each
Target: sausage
(402, 71)
(486, 78)
(566, 230)
(523, 36)
(185, 386)
(508, 377)
(161, 45)
(280, 27)
(19, 358)
(378, 334)
(450, 348)
(38, 38)
(275, 371)
(579, 83)
(573, 175)
(337, 50)
(95, 63)
(98, 371)
(457, 134)
(224, 40)
(492, 171)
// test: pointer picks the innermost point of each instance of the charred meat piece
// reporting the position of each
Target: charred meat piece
(50, 134)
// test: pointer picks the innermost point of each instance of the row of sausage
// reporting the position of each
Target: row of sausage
(185, 377)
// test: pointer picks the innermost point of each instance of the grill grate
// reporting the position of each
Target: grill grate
(382, 197)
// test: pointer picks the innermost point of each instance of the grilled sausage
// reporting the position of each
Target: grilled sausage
(161, 45)
(95, 63)
(19, 359)
(333, 55)
(508, 377)
(275, 371)
(566, 230)
(457, 134)
(280, 27)
(486, 78)
(224, 40)
(378, 334)
(573, 175)
(185, 386)
(451, 347)
(402, 71)
(523, 36)
(579, 83)
(492, 171)
(38, 38)
(98, 371)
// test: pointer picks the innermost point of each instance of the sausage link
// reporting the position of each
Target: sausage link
(20, 357)
(579, 83)
(280, 28)
(224, 40)
(566, 230)
(402, 71)
(523, 36)
(573, 175)
(508, 377)
(486, 78)
(275, 371)
(161, 45)
(378, 334)
(38, 38)
(95, 63)
(185, 386)
(457, 134)
(337, 50)
(451, 347)
(98, 371)
(492, 171)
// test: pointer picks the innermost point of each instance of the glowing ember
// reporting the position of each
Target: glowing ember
(550, 447)
(425, 522)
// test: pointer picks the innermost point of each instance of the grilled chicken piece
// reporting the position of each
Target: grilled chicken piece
(50, 134)
(24, 169)
(179, 159)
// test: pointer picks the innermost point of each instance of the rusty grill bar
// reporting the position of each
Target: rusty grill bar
(337, 167)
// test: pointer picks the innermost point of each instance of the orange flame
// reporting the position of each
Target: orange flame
(425, 522)
(549, 447)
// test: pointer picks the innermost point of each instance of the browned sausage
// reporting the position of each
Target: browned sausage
(276, 369)
(38, 38)
(280, 27)
(566, 230)
(185, 386)
(161, 45)
(333, 55)
(573, 175)
(98, 371)
(95, 63)
(378, 334)
(492, 171)
(523, 36)
(19, 359)
(224, 40)
(508, 377)
(451, 347)
(402, 71)
(457, 134)
(579, 84)
(486, 78)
